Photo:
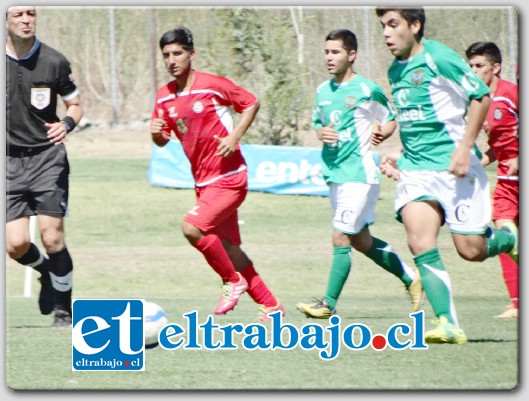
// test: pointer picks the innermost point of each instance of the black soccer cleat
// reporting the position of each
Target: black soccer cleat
(62, 318)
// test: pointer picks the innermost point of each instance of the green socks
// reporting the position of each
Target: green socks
(498, 241)
(436, 284)
(341, 266)
(385, 256)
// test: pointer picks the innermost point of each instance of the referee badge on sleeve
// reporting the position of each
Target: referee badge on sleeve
(40, 97)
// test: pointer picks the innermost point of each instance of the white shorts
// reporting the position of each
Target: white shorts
(354, 205)
(465, 201)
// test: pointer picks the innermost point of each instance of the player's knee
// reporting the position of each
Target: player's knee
(191, 232)
(17, 248)
(52, 240)
(472, 254)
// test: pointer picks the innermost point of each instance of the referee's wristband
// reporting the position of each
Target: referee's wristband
(69, 122)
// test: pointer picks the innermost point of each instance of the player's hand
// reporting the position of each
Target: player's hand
(227, 145)
(56, 132)
(388, 166)
(159, 137)
(460, 162)
(513, 166)
(377, 136)
(485, 160)
(327, 134)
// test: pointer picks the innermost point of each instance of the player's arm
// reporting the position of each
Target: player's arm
(460, 163)
(228, 144)
(158, 129)
(487, 158)
(382, 132)
(57, 131)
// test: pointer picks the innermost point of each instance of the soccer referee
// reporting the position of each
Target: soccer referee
(36, 163)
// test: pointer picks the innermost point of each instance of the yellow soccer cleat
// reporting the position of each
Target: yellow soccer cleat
(318, 310)
(511, 227)
(445, 333)
(416, 293)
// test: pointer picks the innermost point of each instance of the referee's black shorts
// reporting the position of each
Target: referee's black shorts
(37, 181)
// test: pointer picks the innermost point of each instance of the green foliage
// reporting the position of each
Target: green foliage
(256, 47)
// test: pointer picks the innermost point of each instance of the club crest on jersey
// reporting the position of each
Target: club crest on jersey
(417, 77)
(198, 107)
(350, 102)
(40, 97)
(498, 114)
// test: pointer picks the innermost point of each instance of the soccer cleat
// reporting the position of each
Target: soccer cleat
(46, 296)
(62, 318)
(416, 293)
(264, 311)
(445, 333)
(230, 295)
(510, 312)
(511, 227)
(318, 310)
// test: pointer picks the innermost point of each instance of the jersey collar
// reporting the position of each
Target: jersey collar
(29, 54)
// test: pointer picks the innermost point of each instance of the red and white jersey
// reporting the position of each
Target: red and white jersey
(501, 125)
(199, 114)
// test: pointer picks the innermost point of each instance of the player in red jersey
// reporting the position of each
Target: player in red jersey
(501, 126)
(196, 107)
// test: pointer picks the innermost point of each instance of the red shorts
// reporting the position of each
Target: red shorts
(216, 208)
(505, 200)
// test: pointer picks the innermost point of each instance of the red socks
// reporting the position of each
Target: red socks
(211, 247)
(257, 289)
(510, 275)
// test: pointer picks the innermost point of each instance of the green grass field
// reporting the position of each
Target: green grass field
(124, 237)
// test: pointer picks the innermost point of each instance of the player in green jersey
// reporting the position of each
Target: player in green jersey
(350, 112)
(440, 177)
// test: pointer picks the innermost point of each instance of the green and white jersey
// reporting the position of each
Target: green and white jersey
(352, 106)
(432, 92)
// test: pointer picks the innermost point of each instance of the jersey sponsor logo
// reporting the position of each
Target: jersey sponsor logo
(336, 117)
(198, 107)
(350, 102)
(469, 82)
(498, 114)
(407, 115)
(40, 97)
(417, 77)
(181, 126)
(402, 97)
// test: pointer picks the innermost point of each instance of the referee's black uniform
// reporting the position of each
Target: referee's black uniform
(37, 170)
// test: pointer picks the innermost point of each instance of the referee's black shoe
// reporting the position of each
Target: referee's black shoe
(62, 318)
(46, 296)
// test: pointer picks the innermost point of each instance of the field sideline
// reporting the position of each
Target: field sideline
(124, 237)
